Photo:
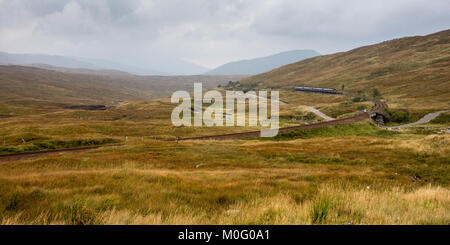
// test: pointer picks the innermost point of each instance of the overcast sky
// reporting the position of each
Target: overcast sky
(209, 32)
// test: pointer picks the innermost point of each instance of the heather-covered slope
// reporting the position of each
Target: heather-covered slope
(411, 71)
(21, 85)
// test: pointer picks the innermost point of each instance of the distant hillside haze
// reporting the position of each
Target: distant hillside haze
(52, 60)
(263, 64)
(164, 67)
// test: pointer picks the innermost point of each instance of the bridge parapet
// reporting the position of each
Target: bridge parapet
(376, 113)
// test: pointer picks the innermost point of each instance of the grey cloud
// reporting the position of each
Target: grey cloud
(209, 32)
(351, 18)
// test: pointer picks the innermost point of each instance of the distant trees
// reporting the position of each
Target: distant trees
(232, 84)
(245, 87)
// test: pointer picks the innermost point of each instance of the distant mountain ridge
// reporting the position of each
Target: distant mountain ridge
(86, 71)
(263, 64)
(160, 67)
(68, 62)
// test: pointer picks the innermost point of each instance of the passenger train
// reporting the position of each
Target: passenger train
(317, 90)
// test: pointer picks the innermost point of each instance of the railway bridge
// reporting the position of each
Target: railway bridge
(377, 112)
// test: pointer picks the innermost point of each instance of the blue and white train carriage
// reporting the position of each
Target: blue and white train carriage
(317, 90)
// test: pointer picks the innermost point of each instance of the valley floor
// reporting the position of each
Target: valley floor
(347, 174)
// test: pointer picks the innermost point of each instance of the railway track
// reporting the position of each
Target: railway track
(378, 108)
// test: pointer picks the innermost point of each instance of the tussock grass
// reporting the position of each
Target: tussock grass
(334, 205)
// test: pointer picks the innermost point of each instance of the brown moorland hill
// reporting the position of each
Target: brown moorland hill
(410, 71)
(20, 85)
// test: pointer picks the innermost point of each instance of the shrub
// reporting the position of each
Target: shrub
(376, 93)
(58, 144)
(8, 150)
(309, 116)
(13, 203)
(397, 116)
(359, 99)
(361, 107)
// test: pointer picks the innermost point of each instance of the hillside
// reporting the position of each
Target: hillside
(25, 85)
(411, 71)
(263, 64)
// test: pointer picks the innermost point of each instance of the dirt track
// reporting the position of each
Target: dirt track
(426, 119)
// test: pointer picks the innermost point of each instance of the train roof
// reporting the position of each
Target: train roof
(315, 88)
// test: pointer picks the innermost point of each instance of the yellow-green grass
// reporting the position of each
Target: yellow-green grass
(345, 109)
(140, 120)
(358, 179)
(352, 173)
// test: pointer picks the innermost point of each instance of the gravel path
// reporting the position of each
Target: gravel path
(426, 119)
(318, 113)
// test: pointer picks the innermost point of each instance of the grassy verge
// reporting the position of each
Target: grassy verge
(444, 118)
(354, 129)
(57, 144)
